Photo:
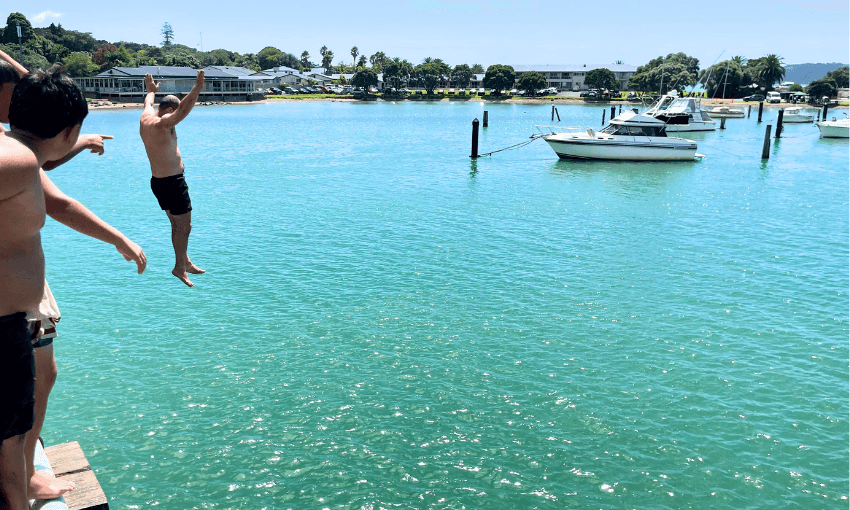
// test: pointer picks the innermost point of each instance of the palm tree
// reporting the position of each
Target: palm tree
(354, 53)
(771, 70)
(738, 59)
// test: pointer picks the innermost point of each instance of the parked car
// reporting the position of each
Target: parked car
(773, 97)
(755, 97)
(289, 90)
(275, 90)
(632, 97)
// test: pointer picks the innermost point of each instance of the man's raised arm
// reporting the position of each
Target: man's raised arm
(151, 87)
(186, 104)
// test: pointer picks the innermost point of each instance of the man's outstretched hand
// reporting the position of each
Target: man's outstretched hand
(199, 81)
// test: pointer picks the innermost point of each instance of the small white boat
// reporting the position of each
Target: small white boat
(681, 114)
(796, 114)
(726, 111)
(834, 128)
(629, 136)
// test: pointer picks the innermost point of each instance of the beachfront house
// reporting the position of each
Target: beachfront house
(127, 84)
(571, 77)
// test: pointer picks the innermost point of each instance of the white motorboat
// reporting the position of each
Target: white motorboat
(834, 128)
(726, 111)
(629, 136)
(796, 114)
(682, 114)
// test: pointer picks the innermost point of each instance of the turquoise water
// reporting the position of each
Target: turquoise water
(387, 324)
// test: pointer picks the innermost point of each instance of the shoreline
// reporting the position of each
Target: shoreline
(109, 105)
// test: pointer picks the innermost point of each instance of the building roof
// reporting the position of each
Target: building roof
(572, 68)
(161, 72)
(232, 70)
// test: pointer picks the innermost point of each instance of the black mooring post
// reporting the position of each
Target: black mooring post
(613, 111)
(553, 114)
(603, 116)
(485, 118)
(779, 122)
(765, 150)
(825, 109)
(723, 122)
(749, 110)
(474, 139)
(761, 108)
(558, 114)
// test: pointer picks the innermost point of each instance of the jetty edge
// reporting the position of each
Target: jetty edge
(68, 461)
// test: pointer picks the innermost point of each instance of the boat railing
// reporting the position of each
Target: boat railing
(552, 130)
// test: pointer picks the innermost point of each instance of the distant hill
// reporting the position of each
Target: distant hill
(806, 73)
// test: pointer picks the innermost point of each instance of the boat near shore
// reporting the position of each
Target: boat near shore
(628, 137)
(681, 114)
(797, 115)
(726, 111)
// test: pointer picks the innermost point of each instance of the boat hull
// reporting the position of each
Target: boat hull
(691, 127)
(654, 149)
(828, 130)
(798, 119)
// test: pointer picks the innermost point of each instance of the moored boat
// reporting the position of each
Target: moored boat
(629, 137)
(726, 111)
(796, 114)
(682, 114)
(835, 128)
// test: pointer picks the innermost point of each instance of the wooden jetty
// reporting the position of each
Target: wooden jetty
(68, 461)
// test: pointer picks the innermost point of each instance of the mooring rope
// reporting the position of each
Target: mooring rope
(515, 146)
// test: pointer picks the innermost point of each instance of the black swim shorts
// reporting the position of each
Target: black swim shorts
(17, 376)
(172, 193)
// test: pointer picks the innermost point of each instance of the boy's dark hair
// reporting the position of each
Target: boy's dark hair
(8, 74)
(46, 102)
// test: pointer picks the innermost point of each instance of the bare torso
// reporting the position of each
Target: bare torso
(21, 218)
(161, 146)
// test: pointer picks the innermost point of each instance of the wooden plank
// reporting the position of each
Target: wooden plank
(69, 462)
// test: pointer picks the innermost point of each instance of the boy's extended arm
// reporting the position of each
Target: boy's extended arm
(71, 213)
(93, 142)
(22, 71)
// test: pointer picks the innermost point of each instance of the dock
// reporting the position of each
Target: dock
(69, 462)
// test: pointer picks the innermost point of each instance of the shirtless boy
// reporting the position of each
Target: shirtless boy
(167, 182)
(65, 210)
(46, 113)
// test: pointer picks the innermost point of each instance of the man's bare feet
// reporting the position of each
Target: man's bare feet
(192, 268)
(44, 485)
(182, 276)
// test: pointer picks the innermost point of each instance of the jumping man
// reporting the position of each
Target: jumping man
(167, 182)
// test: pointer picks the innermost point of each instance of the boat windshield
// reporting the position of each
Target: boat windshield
(623, 130)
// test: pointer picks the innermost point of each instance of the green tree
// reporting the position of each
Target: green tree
(841, 76)
(269, 57)
(167, 34)
(461, 75)
(379, 60)
(771, 71)
(531, 82)
(498, 77)
(327, 58)
(430, 74)
(822, 87)
(31, 60)
(354, 53)
(795, 87)
(10, 33)
(477, 69)
(725, 79)
(365, 77)
(602, 78)
(305, 60)
(675, 70)
(362, 61)
(79, 64)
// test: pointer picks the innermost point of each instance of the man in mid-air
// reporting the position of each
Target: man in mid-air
(167, 183)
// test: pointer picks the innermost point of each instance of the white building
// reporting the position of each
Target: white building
(571, 76)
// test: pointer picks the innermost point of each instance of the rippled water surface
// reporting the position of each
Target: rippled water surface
(387, 324)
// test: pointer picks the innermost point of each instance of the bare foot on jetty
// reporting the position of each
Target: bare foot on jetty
(44, 485)
(182, 276)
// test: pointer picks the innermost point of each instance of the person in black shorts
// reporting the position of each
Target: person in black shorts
(167, 182)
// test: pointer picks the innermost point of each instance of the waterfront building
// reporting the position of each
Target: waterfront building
(571, 77)
(127, 84)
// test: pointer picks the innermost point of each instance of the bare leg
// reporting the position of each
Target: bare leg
(13, 482)
(41, 484)
(181, 226)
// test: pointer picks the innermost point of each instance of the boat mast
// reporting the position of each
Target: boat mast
(725, 74)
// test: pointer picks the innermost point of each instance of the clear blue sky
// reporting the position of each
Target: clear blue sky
(485, 32)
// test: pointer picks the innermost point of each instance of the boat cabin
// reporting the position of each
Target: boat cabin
(633, 124)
